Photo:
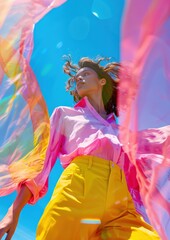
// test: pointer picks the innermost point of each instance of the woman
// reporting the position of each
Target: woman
(91, 199)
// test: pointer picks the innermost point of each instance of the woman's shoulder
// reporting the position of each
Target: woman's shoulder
(64, 110)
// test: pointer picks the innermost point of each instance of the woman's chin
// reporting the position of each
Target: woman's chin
(82, 93)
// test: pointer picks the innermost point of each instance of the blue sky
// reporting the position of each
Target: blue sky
(80, 28)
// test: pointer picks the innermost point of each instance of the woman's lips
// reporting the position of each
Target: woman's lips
(80, 84)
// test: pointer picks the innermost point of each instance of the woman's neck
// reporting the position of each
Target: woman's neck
(97, 103)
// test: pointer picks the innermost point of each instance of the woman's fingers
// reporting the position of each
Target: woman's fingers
(2, 231)
(8, 226)
(9, 234)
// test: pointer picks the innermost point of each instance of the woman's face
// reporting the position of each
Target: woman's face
(87, 82)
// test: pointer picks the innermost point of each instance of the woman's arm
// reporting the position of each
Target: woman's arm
(31, 190)
(10, 221)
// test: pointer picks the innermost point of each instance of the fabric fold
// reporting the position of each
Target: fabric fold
(24, 119)
(144, 100)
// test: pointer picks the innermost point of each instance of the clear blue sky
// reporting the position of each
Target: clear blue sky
(80, 28)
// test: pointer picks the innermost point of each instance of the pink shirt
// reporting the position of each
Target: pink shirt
(81, 131)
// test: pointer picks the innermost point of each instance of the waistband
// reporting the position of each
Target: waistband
(95, 161)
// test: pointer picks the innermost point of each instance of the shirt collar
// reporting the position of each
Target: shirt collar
(84, 103)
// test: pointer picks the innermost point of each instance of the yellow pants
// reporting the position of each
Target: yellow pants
(91, 201)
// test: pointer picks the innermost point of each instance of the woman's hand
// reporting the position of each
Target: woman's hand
(9, 223)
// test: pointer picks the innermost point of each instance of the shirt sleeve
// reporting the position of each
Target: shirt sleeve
(39, 185)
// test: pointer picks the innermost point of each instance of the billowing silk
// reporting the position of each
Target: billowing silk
(144, 101)
(24, 120)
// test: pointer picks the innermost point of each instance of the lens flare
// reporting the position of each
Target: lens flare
(101, 9)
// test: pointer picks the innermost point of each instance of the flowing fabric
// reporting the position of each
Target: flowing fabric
(24, 120)
(144, 103)
(144, 99)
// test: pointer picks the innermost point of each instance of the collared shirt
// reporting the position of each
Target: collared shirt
(80, 131)
(74, 132)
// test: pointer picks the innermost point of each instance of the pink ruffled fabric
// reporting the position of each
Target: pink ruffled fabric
(144, 102)
(24, 120)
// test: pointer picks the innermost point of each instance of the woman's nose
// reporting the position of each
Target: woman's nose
(79, 78)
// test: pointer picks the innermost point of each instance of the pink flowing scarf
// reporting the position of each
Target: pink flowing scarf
(144, 103)
(144, 99)
(24, 120)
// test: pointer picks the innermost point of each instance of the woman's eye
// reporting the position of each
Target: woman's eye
(86, 74)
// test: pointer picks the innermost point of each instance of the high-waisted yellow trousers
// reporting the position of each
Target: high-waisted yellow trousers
(91, 201)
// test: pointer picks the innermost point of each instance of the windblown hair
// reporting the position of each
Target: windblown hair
(110, 72)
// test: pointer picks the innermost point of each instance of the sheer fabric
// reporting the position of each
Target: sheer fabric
(24, 120)
(144, 98)
(144, 102)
